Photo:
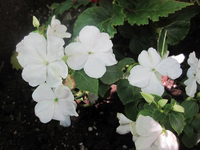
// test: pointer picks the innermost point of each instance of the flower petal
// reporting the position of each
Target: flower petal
(123, 129)
(58, 115)
(34, 74)
(104, 43)
(106, 58)
(169, 67)
(123, 119)
(55, 50)
(191, 86)
(154, 87)
(93, 68)
(193, 61)
(44, 110)
(140, 76)
(67, 107)
(149, 58)
(55, 72)
(77, 55)
(63, 92)
(43, 93)
(67, 121)
(89, 36)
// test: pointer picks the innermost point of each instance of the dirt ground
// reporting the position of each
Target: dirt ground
(20, 129)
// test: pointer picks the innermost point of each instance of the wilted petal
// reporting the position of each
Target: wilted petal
(55, 50)
(106, 58)
(169, 67)
(140, 76)
(67, 121)
(154, 87)
(43, 93)
(104, 44)
(93, 68)
(63, 92)
(44, 110)
(34, 74)
(89, 36)
(55, 72)
(191, 86)
(77, 55)
(149, 58)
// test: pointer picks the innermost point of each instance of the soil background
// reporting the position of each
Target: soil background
(20, 129)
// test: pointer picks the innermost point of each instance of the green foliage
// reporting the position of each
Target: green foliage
(162, 45)
(189, 141)
(105, 18)
(177, 121)
(85, 83)
(153, 9)
(191, 108)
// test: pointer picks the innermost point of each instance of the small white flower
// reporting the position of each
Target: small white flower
(92, 52)
(147, 75)
(193, 75)
(42, 59)
(166, 141)
(124, 124)
(57, 29)
(148, 131)
(54, 104)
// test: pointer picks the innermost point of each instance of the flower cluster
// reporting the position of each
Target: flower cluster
(147, 133)
(44, 67)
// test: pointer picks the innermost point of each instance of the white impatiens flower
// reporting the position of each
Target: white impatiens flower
(57, 29)
(42, 59)
(166, 141)
(55, 104)
(92, 52)
(193, 75)
(124, 124)
(148, 74)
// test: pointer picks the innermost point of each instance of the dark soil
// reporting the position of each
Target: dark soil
(95, 128)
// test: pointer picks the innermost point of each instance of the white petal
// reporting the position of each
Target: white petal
(55, 72)
(180, 58)
(34, 74)
(123, 129)
(104, 43)
(63, 92)
(93, 68)
(123, 119)
(193, 61)
(67, 121)
(140, 76)
(149, 59)
(147, 126)
(43, 93)
(58, 115)
(89, 36)
(154, 87)
(169, 67)
(44, 110)
(191, 86)
(107, 58)
(67, 107)
(77, 55)
(61, 31)
(55, 50)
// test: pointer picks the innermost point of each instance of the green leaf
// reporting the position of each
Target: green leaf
(177, 121)
(178, 108)
(105, 18)
(162, 102)
(150, 107)
(158, 115)
(86, 83)
(162, 45)
(148, 9)
(191, 108)
(103, 88)
(196, 122)
(188, 129)
(189, 141)
(148, 97)
(113, 73)
(145, 113)
(14, 61)
(126, 61)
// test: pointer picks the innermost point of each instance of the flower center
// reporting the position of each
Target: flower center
(90, 53)
(55, 100)
(154, 70)
(45, 62)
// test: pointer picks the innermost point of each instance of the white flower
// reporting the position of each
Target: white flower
(124, 124)
(147, 75)
(57, 29)
(92, 52)
(54, 104)
(193, 75)
(166, 141)
(148, 131)
(42, 59)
